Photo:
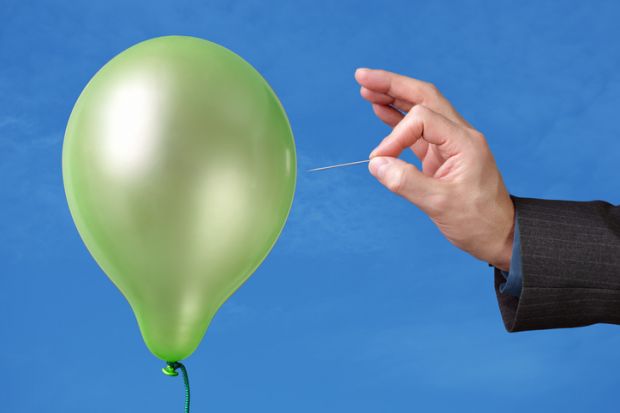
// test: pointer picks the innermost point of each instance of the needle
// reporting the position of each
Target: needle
(338, 165)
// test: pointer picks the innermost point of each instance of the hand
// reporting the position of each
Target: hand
(459, 187)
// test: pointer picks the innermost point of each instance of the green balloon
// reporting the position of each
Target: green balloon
(179, 169)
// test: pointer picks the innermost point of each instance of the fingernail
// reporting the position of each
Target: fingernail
(360, 70)
(372, 154)
(377, 167)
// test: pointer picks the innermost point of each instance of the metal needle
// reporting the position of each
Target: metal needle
(338, 165)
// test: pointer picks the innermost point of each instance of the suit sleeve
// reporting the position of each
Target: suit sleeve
(570, 263)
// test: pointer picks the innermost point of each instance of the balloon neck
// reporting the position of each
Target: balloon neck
(171, 368)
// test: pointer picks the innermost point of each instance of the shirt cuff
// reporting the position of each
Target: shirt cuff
(514, 278)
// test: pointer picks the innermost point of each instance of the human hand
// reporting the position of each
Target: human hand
(459, 187)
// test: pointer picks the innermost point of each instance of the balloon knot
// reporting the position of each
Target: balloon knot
(171, 368)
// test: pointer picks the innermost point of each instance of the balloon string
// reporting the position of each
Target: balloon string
(171, 370)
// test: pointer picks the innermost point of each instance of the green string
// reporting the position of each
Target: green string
(171, 370)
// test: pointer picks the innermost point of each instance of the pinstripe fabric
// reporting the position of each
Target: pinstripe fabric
(571, 265)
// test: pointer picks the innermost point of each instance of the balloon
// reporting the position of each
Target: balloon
(179, 169)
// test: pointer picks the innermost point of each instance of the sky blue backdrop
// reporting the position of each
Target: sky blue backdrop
(362, 306)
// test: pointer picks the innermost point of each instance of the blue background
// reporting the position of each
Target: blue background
(362, 305)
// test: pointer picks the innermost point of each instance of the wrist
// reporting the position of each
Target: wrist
(503, 256)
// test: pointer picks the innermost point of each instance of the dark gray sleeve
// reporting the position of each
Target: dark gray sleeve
(570, 255)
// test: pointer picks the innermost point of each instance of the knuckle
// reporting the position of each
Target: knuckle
(431, 89)
(396, 180)
(437, 204)
(477, 135)
(479, 139)
(417, 111)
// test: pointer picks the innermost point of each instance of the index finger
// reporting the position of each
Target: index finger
(403, 88)
(423, 123)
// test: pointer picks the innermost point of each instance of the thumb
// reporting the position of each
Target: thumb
(401, 177)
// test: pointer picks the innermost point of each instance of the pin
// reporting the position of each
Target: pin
(340, 165)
